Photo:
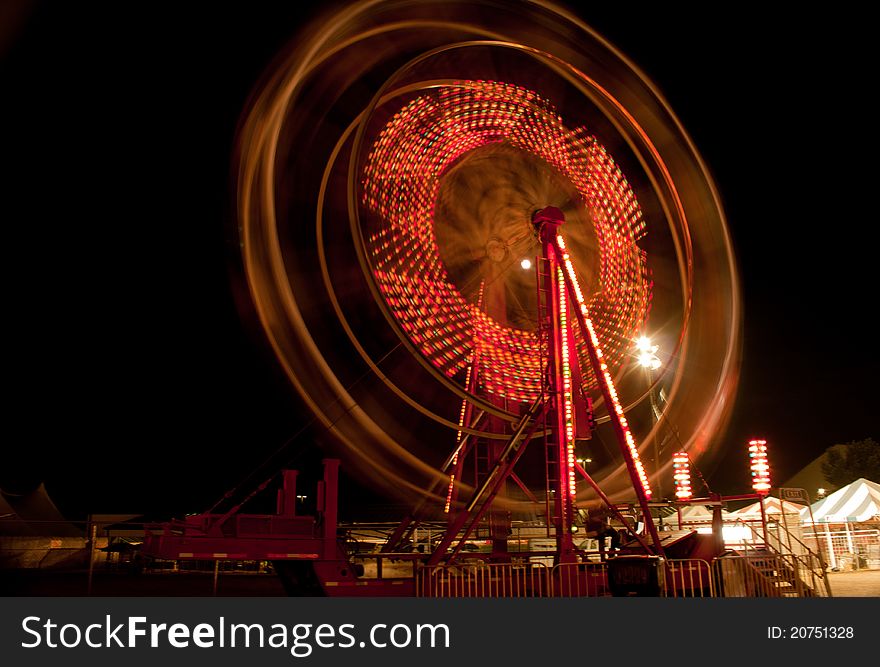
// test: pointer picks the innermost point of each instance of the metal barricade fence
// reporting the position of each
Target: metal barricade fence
(846, 549)
(689, 578)
(734, 575)
(492, 580)
(764, 576)
(579, 580)
(737, 577)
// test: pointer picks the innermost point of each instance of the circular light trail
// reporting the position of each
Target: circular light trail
(402, 178)
(304, 148)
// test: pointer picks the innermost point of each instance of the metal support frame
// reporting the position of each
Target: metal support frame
(616, 422)
(405, 529)
(560, 293)
(612, 507)
(468, 517)
(563, 514)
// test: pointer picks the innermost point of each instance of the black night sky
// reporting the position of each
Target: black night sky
(138, 380)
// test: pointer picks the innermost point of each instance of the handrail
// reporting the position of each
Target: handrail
(752, 575)
(789, 535)
(754, 534)
(798, 558)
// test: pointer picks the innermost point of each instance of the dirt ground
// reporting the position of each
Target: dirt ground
(858, 584)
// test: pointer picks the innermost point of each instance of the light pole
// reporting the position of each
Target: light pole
(582, 462)
(648, 359)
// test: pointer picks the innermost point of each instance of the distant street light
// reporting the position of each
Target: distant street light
(648, 354)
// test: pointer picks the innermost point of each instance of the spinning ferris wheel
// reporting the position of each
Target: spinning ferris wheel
(456, 221)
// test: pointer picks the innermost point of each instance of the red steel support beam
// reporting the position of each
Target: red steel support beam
(286, 505)
(491, 485)
(564, 510)
(616, 422)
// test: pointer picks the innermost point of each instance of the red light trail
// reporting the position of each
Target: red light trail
(400, 186)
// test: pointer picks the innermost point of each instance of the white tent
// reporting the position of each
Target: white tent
(771, 506)
(854, 503)
(693, 514)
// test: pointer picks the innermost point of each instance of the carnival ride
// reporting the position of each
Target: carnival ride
(457, 219)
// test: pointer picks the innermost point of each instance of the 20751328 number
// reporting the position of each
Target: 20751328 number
(820, 632)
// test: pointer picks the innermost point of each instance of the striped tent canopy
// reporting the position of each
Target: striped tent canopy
(854, 503)
(694, 514)
(771, 506)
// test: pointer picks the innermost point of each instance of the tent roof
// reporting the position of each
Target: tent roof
(33, 513)
(771, 506)
(694, 513)
(10, 522)
(856, 502)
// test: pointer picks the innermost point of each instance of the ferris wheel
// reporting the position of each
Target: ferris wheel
(457, 219)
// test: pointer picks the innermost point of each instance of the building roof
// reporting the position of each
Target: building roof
(771, 506)
(810, 477)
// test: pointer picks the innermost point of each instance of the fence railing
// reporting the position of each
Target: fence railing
(684, 578)
(689, 578)
(755, 574)
(579, 580)
(807, 565)
(492, 580)
(766, 575)
(846, 549)
(737, 577)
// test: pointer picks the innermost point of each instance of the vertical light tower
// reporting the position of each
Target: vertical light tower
(760, 466)
(760, 469)
(681, 474)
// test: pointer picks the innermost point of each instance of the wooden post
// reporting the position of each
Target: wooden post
(93, 534)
